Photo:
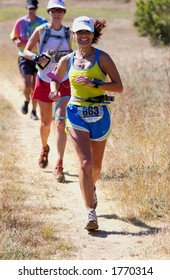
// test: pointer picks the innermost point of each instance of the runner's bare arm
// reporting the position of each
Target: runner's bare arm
(32, 42)
(59, 72)
(109, 67)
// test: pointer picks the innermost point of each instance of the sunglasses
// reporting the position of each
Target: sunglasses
(53, 11)
(81, 32)
(32, 9)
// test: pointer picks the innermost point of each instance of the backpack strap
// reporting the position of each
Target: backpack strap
(48, 35)
(67, 32)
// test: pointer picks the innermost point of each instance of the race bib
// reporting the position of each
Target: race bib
(90, 113)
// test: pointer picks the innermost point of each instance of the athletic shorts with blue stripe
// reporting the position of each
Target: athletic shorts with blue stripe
(92, 119)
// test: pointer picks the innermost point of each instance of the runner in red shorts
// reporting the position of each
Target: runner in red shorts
(53, 40)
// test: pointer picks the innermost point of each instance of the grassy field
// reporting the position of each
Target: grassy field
(135, 172)
(109, 9)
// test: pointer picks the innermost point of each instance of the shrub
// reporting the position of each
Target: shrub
(152, 19)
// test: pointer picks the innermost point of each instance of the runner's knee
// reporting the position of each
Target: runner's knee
(60, 124)
(46, 123)
(86, 166)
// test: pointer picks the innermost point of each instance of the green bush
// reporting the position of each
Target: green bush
(152, 19)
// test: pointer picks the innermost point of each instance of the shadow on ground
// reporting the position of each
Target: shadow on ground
(134, 221)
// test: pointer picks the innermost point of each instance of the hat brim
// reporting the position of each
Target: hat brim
(82, 27)
(31, 7)
(55, 6)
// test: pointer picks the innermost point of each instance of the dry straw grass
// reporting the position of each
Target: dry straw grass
(138, 170)
(135, 174)
(23, 233)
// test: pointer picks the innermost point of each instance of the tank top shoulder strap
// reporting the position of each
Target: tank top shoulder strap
(97, 53)
(71, 62)
(72, 58)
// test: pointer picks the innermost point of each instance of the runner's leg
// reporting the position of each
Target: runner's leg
(34, 101)
(98, 148)
(81, 142)
(60, 140)
(46, 119)
(27, 90)
(60, 129)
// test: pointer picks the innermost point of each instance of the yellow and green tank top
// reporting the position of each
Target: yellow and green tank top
(94, 71)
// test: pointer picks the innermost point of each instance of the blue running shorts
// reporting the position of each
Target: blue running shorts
(93, 119)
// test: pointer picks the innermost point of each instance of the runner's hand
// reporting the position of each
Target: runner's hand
(85, 80)
(54, 95)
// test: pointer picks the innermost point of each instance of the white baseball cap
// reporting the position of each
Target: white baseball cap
(83, 23)
(56, 4)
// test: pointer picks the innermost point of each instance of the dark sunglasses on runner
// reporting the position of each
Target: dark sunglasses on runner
(81, 32)
(32, 9)
(56, 10)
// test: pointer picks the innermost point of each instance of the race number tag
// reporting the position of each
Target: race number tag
(90, 113)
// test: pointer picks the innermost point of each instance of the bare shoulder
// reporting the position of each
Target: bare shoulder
(64, 62)
(65, 59)
(106, 61)
(104, 56)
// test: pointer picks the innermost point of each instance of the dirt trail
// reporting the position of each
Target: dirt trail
(115, 239)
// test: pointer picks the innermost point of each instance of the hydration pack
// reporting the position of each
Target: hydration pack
(48, 35)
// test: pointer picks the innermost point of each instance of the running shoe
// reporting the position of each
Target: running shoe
(34, 115)
(95, 198)
(92, 223)
(24, 108)
(59, 174)
(43, 161)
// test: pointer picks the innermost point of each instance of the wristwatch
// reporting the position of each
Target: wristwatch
(97, 83)
(35, 57)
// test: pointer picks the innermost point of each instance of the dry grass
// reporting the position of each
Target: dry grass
(24, 233)
(138, 171)
(159, 247)
(135, 174)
